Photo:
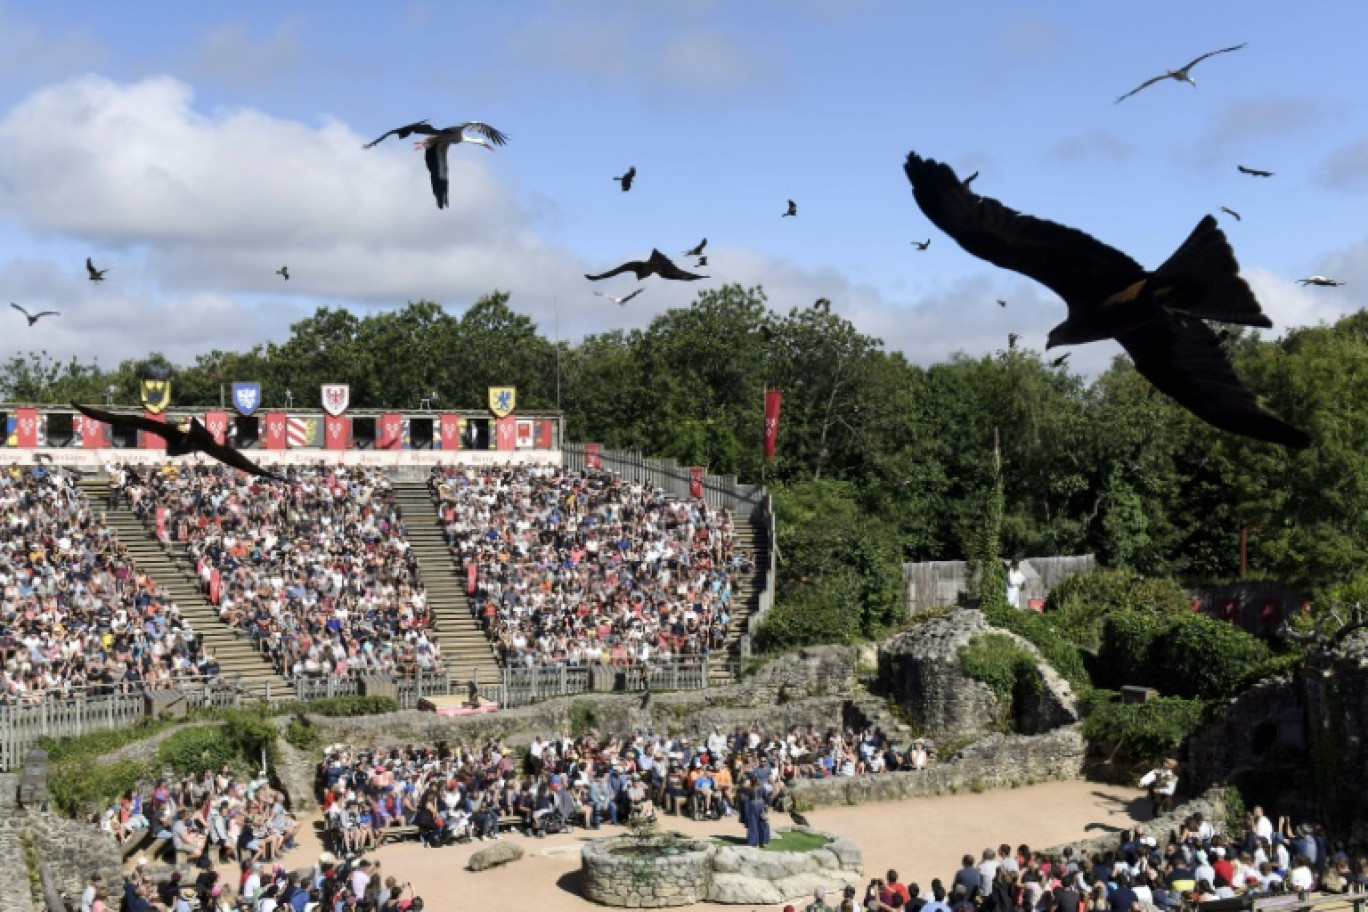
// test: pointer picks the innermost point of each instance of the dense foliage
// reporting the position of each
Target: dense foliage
(1131, 734)
(879, 461)
(1187, 655)
(1007, 667)
(1077, 606)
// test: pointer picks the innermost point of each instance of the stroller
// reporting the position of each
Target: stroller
(554, 822)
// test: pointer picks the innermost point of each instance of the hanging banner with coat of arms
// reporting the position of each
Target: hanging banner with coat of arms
(502, 400)
(246, 398)
(156, 395)
(336, 397)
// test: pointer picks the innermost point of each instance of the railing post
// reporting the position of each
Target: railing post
(562, 679)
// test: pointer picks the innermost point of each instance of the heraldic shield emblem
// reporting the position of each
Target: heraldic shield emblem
(336, 398)
(156, 395)
(246, 398)
(502, 400)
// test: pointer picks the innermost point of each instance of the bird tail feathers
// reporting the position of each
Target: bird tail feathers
(1203, 278)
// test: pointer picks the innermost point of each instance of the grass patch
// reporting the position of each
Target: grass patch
(788, 841)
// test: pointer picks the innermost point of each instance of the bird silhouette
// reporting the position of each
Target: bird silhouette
(698, 249)
(1156, 316)
(622, 300)
(402, 132)
(799, 819)
(34, 318)
(1059, 362)
(1253, 172)
(1232, 213)
(1323, 281)
(1001, 303)
(822, 304)
(922, 245)
(792, 209)
(1012, 341)
(439, 141)
(180, 443)
(284, 271)
(658, 264)
(1180, 74)
(702, 261)
(627, 178)
(96, 275)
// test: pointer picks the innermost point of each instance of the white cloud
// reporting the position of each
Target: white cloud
(26, 48)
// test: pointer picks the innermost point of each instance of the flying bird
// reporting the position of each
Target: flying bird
(1323, 281)
(1255, 172)
(822, 304)
(1180, 74)
(284, 271)
(34, 318)
(698, 249)
(180, 443)
(96, 275)
(1012, 341)
(922, 245)
(1001, 303)
(658, 264)
(627, 178)
(622, 300)
(1231, 212)
(792, 209)
(1157, 317)
(402, 132)
(702, 261)
(1059, 362)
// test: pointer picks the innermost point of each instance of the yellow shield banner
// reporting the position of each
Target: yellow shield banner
(156, 395)
(502, 400)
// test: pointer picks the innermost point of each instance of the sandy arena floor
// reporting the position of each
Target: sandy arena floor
(921, 838)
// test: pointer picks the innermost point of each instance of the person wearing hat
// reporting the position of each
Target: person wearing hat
(1162, 784)
(187, 900)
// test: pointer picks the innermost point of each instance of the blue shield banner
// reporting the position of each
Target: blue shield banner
(246, 398)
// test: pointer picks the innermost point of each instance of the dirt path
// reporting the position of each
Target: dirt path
(922, 838)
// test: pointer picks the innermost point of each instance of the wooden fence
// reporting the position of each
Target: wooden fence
(742, 500)
(936, 584)
(22, 725)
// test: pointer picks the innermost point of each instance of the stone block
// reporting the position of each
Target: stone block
(500, 853)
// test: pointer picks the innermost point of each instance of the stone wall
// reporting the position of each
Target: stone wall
(1210, 804)
(921, 670)
(646, 881)
(66, 851)
(1264, 720)
(742, 875)
(998, 761)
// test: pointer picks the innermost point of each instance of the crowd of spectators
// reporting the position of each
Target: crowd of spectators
(315, 569)
(75, 611)
(585, 568)
(462, 791)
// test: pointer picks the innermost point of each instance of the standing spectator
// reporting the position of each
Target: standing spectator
(1015, 580)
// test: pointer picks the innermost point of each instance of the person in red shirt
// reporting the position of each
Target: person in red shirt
(895, 888)
(1221, 864)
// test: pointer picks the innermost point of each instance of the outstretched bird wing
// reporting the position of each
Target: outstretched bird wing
(1198, 60)
(165, 430)
(47, 313)
(639, 267)
(94, 273)
(1076, 266)
(18, 308)
(204, 442)
(421, 126)
(1144, 85)
(484, 129)
(623, 300)
(1231, 212)
(1254, 171)
(1182, 356)
(664, 267)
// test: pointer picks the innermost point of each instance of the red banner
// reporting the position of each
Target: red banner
(506, 433)
(774, 399)
(152, 441)
(593, 456)
(389, 432)
(26, 428)
(337, 432)
(451, 431)
(275, 430)
(215, 584)
(545, 431)
(696, 482)
(217, 424)
(161, 523)
(472, 577)
(92, 432)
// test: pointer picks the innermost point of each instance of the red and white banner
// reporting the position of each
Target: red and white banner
(217, 424)
(774, 400)
(545, 432)
(472, 577)
(92, 432)
(275, 430)
(506, 433)
(215, 584)
(152, 441)
(451, 431)
(593, 456)
(525, 440)
(26, 428)
(161, 523)
(389, 432)
(696, 481)
(336, 432)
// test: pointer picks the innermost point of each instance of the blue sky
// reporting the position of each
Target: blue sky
(194, 148)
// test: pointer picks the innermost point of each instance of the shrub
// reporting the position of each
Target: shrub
(99, 743)
(1135, 734)
(338, 707)
(828, 611)
(302, 733)
(1078, 605)
(1188, 655)
(1128, 647)
(191, 751)
(1006, 667)
(1061, 655)
(79, 786)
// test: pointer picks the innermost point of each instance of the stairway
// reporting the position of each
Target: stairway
(751, 538)
(465, 648)
(238, 660)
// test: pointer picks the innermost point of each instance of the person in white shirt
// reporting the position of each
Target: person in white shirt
(88, 897)
(1162, 782)
(1260, 824)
